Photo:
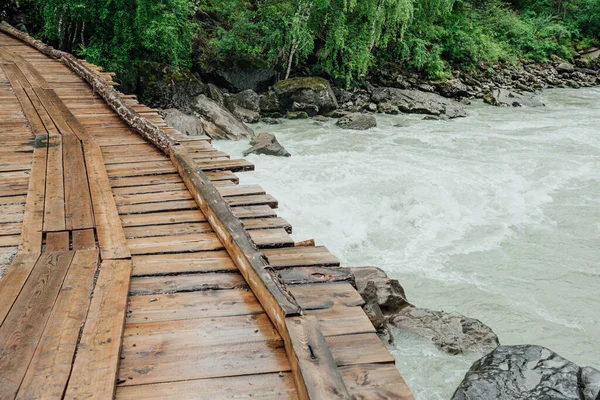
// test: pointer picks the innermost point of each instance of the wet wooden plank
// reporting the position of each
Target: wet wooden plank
(95, 367)
(317, 256)
(50, 367)
(326, 295)
(24, 324)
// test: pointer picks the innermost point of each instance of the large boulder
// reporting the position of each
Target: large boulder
(357, 121)
(453, 88)
(451, 332)
(306, 91)
(167, 87)
(528, 372)
(247, 99)
(218, 122)
(507, 98)
(266, 143)
(269, 103)
(418, 102)
(184, 123)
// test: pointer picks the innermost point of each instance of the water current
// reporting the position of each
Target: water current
(495, 216)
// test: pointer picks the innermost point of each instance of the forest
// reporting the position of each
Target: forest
(342, 40)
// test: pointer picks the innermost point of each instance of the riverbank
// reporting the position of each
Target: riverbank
(492, 216)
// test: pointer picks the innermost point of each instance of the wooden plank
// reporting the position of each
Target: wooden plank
(267, 223)
(77, 128)
(35, 122)
(111, 237)
(13, 280)
(342, 320)
(252, 200)
(158, 206)
(279, 386)
(375, 382)
(306, 275)
(167, 264)
(84, 239)
(174, 244)
(326, 295)
(50, 367)
(253, 212)
(95, 367)
(316, 372)
(363, 348)
(186, 283)
(269, 238)
(168, 230)
(182, 306)
(152, 197)
(301, 257)
(9, 240)
(26, 320)
(164, 217)
(57, 241)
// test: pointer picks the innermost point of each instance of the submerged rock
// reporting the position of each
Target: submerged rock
(451, 332)
(266, 143)
(304, 91)
(184, 123)
(528, 372)
(418, 102)
(357, 121)
(507, 98)
(296, 115)
(218, 122)
(271, 121)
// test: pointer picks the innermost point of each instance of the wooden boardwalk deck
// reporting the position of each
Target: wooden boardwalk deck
(136, 272)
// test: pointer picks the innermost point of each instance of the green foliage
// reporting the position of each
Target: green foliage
(340, 39)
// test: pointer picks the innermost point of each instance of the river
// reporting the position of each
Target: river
(495, 216)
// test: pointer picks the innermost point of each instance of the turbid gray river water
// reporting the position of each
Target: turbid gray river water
(495, 216)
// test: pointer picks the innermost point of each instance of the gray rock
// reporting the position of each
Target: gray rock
(451, 332)
(376, 287)
(313, 90)
(215, 93)
(269, 103)
(243, 114)
(418, 102)
(237, 78)
(266, 143)
(565, 67)
(357, 121)
(338, 113)
(388, 108)
(271, 121)
(165, 87)
(184, 123)
(528, 372)
(247, 99)
(218, 122)
(507, 98)
(310, 109)
(435, 118)
(453, 88)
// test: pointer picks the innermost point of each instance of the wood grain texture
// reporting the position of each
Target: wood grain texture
(95, 368)
(13, 280)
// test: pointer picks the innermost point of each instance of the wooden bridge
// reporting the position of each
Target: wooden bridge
(137, 267)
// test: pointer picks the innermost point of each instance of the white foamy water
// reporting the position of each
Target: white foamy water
(495, 216)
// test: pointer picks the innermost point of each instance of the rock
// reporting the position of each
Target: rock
(528, 372)
(167, 87)
(338, 113)
(357, 121)
(247, 99)
(418, 102)
(184, 123)
(564, 67)
(269, 103)
(370, 107)
(243, 114)
(388, 108)
(451, 332)
(315, 91)
(310, 109)
(271, 121)
(215, 93)
(218, 122)
(320, 118)
(453, 88)
(266, 143)
(434, 118)
(506, 98)
(296, 115)
(375, 287)
(238, 78)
